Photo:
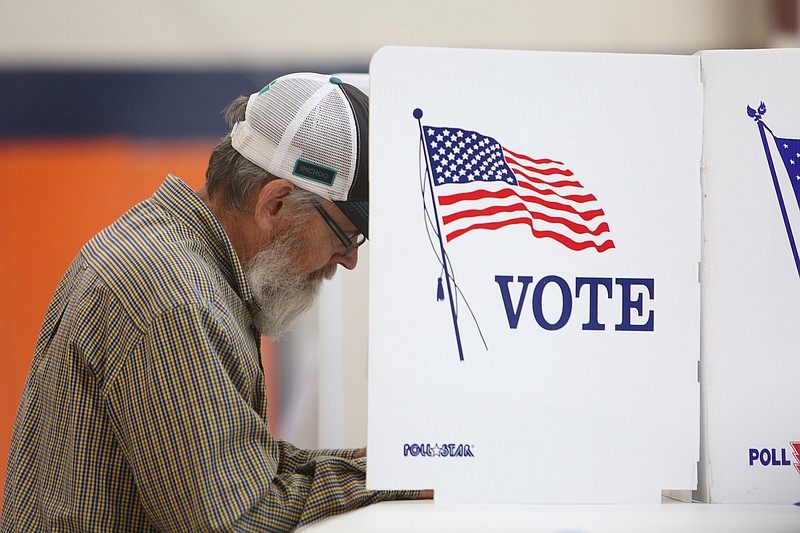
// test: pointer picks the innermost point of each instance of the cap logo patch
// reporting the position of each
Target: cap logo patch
(313, 171)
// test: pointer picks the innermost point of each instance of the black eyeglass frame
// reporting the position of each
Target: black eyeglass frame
(349, 244)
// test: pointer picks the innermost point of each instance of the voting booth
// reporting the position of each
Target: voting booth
(751, 277)
(534, 293)
(539, 257)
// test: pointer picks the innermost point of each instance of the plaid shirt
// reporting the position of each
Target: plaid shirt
(145, 405)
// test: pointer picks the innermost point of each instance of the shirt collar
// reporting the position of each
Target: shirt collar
(182, 202)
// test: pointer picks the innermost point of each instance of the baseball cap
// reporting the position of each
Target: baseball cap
(313, 130)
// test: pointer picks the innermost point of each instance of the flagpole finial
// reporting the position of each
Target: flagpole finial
(757, 114)
(418, 113)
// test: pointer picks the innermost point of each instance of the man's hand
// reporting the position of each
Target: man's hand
(361, 453)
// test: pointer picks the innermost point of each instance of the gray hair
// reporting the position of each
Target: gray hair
(234, 177)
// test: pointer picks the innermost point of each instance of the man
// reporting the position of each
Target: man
(145, 405)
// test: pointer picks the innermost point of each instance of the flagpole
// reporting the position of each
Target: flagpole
(761, 128)
(418, 116)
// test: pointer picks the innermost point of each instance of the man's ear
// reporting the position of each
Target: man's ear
(270, 204)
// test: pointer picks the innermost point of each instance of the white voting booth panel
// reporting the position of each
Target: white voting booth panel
(534, 294)
(751, 277)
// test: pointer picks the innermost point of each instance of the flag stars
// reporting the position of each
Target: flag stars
(462, 156)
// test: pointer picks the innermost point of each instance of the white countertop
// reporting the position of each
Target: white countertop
(427, 516)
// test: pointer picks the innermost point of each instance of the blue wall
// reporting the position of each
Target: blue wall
(141, 103)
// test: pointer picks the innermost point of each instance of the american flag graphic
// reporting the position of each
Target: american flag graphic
(789, 151)
(483, 185)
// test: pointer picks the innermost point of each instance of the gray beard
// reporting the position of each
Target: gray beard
(281, 294)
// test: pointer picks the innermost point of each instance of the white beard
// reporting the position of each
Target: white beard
(281, 294)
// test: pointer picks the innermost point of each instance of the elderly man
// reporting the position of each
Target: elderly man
(145, 405)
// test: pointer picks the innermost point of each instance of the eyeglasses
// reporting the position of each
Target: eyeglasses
(351, 244)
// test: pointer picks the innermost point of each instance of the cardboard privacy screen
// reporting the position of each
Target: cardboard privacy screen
(751, 277)
(534, 294)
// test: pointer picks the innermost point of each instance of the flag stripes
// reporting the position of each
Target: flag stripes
(482, 185)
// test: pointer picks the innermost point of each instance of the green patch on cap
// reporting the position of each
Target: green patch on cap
(313, 171)
(266, 88)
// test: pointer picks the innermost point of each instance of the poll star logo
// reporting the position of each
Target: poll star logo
(789, 150)
(796, 446)
(775, 456)
(470, 182)
(437, 450)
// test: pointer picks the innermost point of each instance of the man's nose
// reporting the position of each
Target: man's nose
(348, 261)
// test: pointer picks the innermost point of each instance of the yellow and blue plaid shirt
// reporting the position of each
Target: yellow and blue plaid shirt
(145, 405)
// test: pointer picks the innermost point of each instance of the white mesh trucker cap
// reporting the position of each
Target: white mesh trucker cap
(312, 130)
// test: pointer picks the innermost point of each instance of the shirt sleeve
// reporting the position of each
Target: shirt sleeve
(201, 456)
(293, 457)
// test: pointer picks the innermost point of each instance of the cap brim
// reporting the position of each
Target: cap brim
(358, 213)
